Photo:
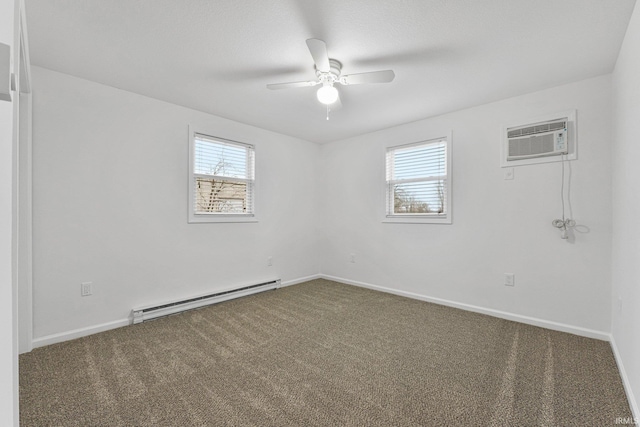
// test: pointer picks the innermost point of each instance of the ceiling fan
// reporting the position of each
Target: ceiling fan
(328, 74)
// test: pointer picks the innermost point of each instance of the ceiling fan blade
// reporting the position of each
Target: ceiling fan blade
(277, 86)
(385, 76)
(318, 50)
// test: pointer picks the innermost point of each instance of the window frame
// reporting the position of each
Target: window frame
(214, 217)
(447, 217)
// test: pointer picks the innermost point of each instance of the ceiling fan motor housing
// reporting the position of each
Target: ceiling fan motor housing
(334, 72)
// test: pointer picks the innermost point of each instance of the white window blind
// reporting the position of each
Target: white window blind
(417, 180)
(222, 177)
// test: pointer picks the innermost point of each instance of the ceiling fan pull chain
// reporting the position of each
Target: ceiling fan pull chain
(327, 112)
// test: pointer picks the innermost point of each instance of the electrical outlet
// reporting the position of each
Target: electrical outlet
(352, 258)
(85, 289)
(508, 173)
(269, 261)
(509, 279)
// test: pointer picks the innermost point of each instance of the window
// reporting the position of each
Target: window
(222, 183)
(418, 182)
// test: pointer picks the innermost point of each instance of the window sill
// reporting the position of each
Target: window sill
(208, 219)
(417, 220)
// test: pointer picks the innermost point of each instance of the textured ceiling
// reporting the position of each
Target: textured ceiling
(218, 55)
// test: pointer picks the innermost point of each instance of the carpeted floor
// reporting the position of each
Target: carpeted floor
(323, 354)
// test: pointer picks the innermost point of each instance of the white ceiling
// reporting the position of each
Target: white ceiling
(217, 56)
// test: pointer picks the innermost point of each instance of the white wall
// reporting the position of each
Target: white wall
(110, 206)
(8, 349)
(626, 208)
(498, 226)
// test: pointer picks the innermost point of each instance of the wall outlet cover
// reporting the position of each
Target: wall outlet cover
(509, 279)
(508, 174)
(85, 289)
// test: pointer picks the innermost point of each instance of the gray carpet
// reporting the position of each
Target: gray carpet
(323, 354)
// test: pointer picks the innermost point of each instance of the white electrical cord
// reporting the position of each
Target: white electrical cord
(562, 187)
(564, 159)
(565, 224)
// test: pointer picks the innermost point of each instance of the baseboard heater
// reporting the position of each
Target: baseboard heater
(147, 313)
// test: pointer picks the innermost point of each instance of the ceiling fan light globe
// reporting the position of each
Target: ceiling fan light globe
(327, 95)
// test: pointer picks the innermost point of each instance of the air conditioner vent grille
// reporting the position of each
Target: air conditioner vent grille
(531, 146)
(542, 128)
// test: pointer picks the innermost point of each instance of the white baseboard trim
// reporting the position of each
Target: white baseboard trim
(576, 330)
(79, 333)
(299, 280)
(82, 332)
(633, 403)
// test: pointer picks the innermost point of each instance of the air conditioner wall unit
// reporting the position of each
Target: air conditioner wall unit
(547, 139)
(539, 141)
